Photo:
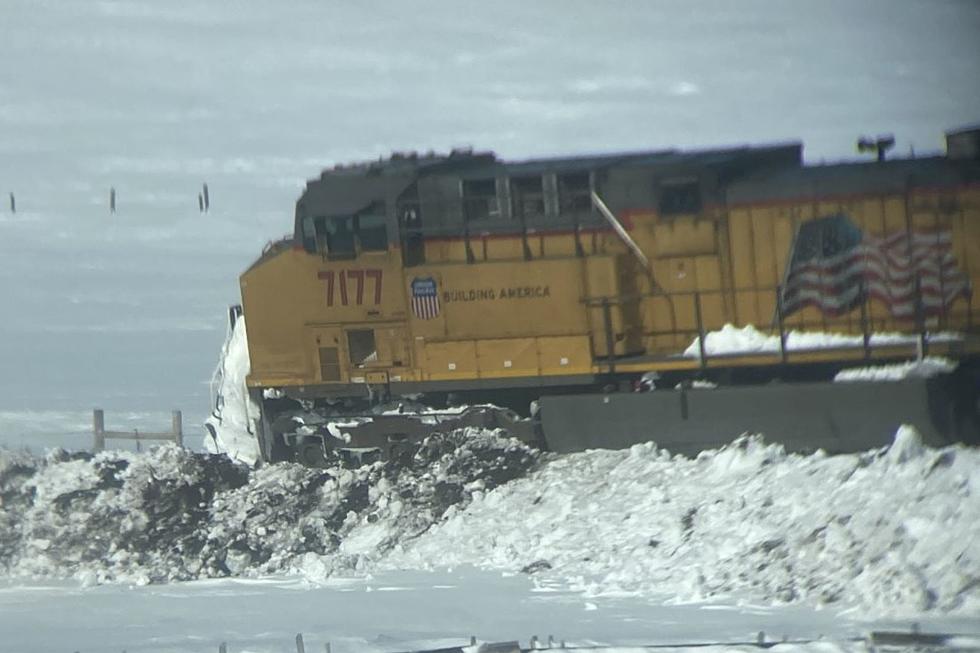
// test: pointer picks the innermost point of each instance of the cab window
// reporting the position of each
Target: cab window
(371, 230)
(339, 237)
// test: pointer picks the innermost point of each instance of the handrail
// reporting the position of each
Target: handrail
(619, 229)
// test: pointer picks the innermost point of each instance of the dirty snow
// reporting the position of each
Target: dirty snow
(750, 340)
(174, 515)
(889, 532)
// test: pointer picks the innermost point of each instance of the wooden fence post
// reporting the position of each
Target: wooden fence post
(178, 428)
(98, 429)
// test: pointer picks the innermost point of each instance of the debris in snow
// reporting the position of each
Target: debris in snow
(536, 566)
(733, 340)
(927, 367)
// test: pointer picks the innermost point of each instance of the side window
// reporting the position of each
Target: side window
(480, 199)
(528, 197)
(361, 347)
(574, 193)
(309, 235)
(680, 196)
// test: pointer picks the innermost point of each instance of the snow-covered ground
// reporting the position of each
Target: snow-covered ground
(894, 532)
(398, 611)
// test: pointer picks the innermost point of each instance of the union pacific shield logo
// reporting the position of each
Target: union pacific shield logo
(425, 298)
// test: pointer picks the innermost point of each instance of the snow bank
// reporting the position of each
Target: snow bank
(174, 515)
(927, 367)
(749, 340)
(892, 531)
(231, 427)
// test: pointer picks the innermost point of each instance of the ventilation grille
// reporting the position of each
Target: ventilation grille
(329, 364)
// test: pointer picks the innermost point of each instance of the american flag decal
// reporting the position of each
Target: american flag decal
(425, 298)
(834, 266)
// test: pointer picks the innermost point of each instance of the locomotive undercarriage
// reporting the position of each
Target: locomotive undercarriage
(325, 432)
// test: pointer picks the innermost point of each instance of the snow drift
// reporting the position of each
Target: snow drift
(895, 530)
(891, 531)
(174, 515)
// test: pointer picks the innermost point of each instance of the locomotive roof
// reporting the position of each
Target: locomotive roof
(669, 157)
(852, 178)
(470, 165)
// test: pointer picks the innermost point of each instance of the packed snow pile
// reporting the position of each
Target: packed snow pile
(173, 515)
(922, 369)
(749, 340)
(892, 531)
(231, 426)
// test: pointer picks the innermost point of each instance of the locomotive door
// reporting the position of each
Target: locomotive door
(329, 355)
(413, 241)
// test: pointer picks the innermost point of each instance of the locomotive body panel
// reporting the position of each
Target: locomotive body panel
(464, 272)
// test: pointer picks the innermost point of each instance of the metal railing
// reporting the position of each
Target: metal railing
(685, 314)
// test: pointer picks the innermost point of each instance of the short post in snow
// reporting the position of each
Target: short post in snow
(98, 429)
(112, 199)
(177, 426)
(13, 204)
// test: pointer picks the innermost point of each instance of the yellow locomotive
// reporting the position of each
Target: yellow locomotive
(497, 280)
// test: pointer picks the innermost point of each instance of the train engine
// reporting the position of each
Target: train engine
(417, 284)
